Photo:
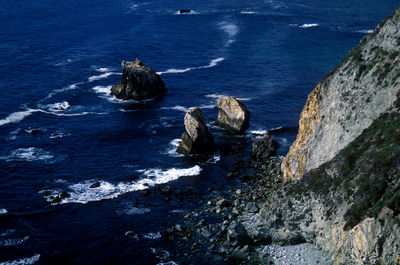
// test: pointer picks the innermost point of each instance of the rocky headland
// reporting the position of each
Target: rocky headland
(335, 198)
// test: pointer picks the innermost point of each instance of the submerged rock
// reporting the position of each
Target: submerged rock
(264, 147)
(197, 138)
(138, 82)
(232, 115)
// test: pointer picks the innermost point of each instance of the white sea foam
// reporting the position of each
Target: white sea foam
(214, 159)
(258, 132)
(215, 96)
(57, 91)
(86, 191)
(177, 107)
(3, 211)
(102, 69)
(13, 241)
(213, 63)
(17, 116)
(102, 89)
(25, 261)
(156, 235)
(28, 154)
(230, 29)
(248, 12)
(173, 145)
(210, 106)
(102, 76)
(365, 31)
(307, 25)
(59, 106)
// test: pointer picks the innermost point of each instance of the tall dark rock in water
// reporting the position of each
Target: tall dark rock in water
(138, 82)
(197, 138)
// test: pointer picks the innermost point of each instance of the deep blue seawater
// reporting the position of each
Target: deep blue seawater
(61, 131)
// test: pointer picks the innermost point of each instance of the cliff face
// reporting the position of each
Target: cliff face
(347, 100)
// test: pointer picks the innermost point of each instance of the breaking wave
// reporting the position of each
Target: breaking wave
(92, 190)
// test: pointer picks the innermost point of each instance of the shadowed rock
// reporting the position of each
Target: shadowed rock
(197, 138)
(138, 82)
(264, 147)
(232, 115)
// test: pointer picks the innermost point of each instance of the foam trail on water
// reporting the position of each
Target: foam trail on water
(57, 91)
(13, 241)
(308, 25)
(91, 190)
(230, 29)
(258, 132)
(102, 76)
(177, 107)
(25, 261)
(365, 31)
(173, 145)
(3, 211)
(213, 63)
(17, 116)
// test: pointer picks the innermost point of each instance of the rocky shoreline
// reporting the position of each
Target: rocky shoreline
(215, 232)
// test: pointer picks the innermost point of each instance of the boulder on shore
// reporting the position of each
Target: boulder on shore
(264, 147)
(138, 82)
(232, 115)
(197, 138)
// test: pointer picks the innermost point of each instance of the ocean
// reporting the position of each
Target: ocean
(74, 160)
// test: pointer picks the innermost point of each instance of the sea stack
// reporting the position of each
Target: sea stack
(233, 115)
(138, 82)
(197, 138)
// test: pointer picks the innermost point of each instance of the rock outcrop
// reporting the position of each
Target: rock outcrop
(347, 100)
(264, 147)
(138, 82)
(232, 115)
(197, 138)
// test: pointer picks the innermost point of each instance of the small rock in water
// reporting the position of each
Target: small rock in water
(95, 185)
(183, 11)
(222, 203)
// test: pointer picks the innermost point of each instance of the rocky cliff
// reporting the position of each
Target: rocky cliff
(347, 100)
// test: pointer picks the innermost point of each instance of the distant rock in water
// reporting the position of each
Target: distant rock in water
(197, 138)
(138, 82)
(183, 11)
(232, 115)
(264, 147)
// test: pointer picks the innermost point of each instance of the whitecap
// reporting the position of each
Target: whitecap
(3, 211)
(13, 241)
(25, 261)
(28, 154)
(92, 190)
(213, 63)
(247, 12)
(307, 25)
